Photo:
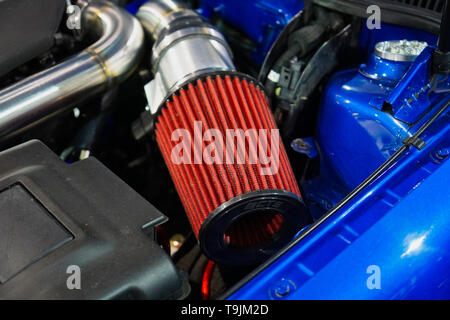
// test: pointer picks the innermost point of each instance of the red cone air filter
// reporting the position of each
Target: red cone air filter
(239, 215)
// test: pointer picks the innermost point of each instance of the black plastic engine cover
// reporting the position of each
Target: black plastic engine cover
(27, 29)
(54, 215)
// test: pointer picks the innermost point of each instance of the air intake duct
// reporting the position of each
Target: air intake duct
(219, 141)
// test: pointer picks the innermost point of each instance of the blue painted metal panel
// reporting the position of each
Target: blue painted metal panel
(411, 253)
(261, 20)
(356, 135)
(400, 223)
(416, 92)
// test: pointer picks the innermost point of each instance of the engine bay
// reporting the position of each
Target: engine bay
(176, 150)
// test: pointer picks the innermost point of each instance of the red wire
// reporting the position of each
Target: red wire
(207, 279)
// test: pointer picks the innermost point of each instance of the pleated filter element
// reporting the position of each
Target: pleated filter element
(243, 201)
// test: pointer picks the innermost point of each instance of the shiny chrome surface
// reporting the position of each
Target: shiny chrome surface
(104, 64)
(399, 50)
(157, 14)
(171, 40)
(175, 61)
(181, 55)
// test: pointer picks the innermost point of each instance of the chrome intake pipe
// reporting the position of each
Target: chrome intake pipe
(156, 15)
(185, 48)
(104, 64)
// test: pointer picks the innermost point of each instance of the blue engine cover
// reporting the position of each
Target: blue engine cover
(357, 134)
(261, 20)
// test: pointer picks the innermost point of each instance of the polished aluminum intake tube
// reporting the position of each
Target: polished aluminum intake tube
(156, 15)
(101, 66)
(185, 47)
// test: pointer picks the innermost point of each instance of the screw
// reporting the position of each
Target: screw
(283, 290)
(442, 153)
(300, 143)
